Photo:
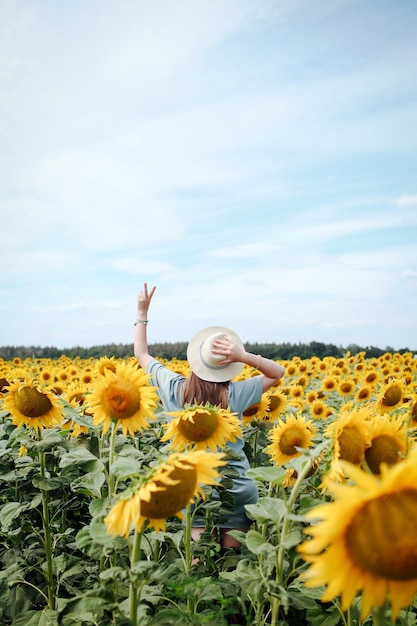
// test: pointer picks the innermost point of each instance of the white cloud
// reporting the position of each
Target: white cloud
(387, 260)
(409, 274)
(407, 201)
(247, 251)
(240, 155)
(143, 267)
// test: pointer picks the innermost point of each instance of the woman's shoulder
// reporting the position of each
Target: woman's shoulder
(156, 369)
(245, 389)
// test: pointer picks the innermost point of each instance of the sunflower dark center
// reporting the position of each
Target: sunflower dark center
(202, 427)
(384, 449)
(318, 410)
(31, 402)
(381, 539)
(346, 387)
(251, 411)
(173, 498)
(364, 393)
(275, 403)
(392, 396)
(351, 445)
(290, 440)
(122, 399)
(78, 397)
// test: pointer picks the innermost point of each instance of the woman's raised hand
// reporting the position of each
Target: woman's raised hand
(144, 299)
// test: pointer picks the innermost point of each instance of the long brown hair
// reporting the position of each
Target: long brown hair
(198, 391)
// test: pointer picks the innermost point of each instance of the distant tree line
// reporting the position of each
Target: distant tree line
(283, 351)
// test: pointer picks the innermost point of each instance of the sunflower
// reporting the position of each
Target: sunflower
(297, 391)
(176, 365)
(365, 540)
(291, 370)
(329, 384)
(412, 416)
(247, 372)
(4, 383)
(291, 474)
(19, 373)
(324, 365)
(75, 394)
(57, 388)
(104, 363)
(32, 406)
(370, 377)
(203, 427)
(76, 429)
(88, 377)
(277, 403)
(46, 375)
(297, 404)
(286, 437)
(350, 434)
(364, 393)
(391, 395)
(345, 387)
(303, 381)
(311, 395)
(257, 411)
(62, 375)
(124, 516)
(174, 484)
(389, 438)
(319, 409)
(124, 396)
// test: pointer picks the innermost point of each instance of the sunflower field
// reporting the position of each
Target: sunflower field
(98, 491)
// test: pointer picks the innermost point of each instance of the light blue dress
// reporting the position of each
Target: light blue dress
(242, 395)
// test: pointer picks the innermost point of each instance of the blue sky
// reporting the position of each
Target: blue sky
(255, 159)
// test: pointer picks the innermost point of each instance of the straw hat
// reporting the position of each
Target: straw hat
(204, 363)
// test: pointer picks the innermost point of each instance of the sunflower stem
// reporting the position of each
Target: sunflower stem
(49, 576)
(378, 615)
(255, 444)
(111, 459)
(188, 554)
(187, 539)
(134, 595)
(348, 620)
(285, 527)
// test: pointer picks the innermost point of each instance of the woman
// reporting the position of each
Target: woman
(216, 355)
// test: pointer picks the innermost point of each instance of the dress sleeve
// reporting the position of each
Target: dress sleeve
(167, 383)
(243, 394)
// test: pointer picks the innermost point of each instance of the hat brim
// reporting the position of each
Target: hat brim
(219, 374)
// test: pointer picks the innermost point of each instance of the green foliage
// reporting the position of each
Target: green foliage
(60, 567)
(178, 350)
(91, 574)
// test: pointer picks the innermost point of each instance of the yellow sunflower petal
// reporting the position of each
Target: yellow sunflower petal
(202, 427)
(124, 396)
(365, 541)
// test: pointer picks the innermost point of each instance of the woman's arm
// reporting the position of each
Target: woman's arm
(141, 324)
(271, 370)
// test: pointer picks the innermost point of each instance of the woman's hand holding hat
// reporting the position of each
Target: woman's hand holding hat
(221, 364)
(232, 352)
